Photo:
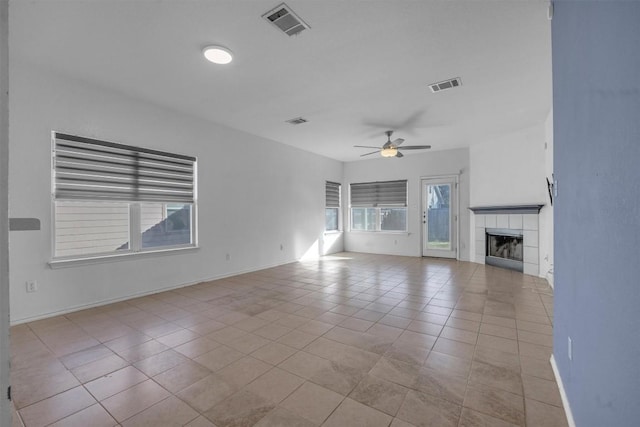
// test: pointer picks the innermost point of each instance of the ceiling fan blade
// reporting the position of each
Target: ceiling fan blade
(397, 141)
(414, 147)
(368, 154)
(399, 154)
(366, 146)
(386, 145)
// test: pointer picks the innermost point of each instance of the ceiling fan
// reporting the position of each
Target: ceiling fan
(392, 148)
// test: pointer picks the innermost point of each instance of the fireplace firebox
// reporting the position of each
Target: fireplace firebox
(504, 248)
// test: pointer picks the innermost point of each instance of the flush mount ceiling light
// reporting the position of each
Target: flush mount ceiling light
(218, 54)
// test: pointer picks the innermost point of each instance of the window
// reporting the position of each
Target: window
(379, 206)
(363, 219)
(115, 199)
(332, 206)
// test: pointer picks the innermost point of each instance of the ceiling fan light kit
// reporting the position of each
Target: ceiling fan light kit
(389, 152)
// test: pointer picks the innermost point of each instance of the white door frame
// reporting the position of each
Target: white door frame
(455, 212)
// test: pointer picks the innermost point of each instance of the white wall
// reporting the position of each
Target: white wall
(546, 214)
(253, 195)
(412, 167)
(511, 170)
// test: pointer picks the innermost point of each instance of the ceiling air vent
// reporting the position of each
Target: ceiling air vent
(297, 121)
(286, 20)
(445, 84)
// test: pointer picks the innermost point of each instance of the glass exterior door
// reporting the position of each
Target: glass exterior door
(439, 217)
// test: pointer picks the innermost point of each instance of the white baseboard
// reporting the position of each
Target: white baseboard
(563, 394)
(140, 294)
(549, 277)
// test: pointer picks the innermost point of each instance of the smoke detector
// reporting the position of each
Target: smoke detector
(445, 84)
(283, 18)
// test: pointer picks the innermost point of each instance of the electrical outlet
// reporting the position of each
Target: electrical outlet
(32, 286)
(569, 348)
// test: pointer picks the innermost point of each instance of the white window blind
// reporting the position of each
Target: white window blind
(384, 193)
(332, 195)
(90, 169)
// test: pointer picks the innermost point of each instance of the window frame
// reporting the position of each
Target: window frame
(378, 207)
(338, 228)
(338, 208)
(134, 223)
(165, 212)
(378, 220)
(166, 247)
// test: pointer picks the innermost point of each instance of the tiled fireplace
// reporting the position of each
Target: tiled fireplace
(512, 234)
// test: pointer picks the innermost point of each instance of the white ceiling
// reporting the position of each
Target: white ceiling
(361, 69)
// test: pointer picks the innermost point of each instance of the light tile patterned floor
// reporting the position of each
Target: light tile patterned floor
(351, 340)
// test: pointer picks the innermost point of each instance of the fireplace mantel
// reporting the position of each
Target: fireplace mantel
(507, 209)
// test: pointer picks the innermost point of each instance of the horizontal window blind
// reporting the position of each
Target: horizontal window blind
(332, 194)
(386, 193)
(90, 169)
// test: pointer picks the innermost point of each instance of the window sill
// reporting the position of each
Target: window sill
(333, 232)
(379, 232)
(101, 259)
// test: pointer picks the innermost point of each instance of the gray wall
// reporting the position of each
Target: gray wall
(596, 104)
(4, 211)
